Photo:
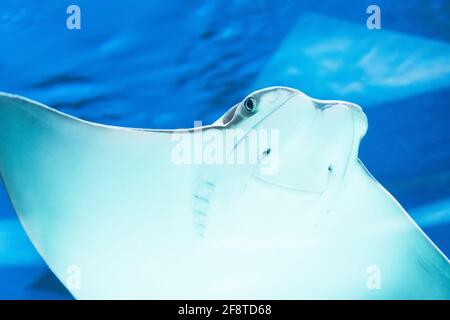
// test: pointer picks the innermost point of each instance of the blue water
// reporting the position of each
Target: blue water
(164, 64)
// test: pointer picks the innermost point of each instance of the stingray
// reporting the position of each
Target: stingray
(174, 214)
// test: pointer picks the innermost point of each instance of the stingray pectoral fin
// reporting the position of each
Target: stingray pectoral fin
(80, 189)
(379, 232)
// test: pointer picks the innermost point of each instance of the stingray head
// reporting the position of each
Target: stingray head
(303, 144)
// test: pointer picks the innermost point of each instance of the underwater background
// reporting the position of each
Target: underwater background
(164, 64)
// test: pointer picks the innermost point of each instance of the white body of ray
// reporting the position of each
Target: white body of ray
(111, 202)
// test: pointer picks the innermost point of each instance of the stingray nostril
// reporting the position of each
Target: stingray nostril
(266, 152)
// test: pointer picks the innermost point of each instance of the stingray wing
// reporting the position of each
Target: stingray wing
(76, 185)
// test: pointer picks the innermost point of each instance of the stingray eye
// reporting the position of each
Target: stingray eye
(250, 104)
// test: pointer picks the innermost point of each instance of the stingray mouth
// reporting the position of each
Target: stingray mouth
(299, 186)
